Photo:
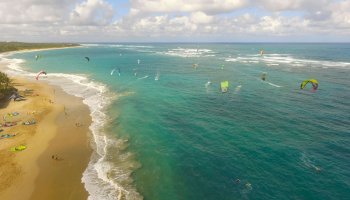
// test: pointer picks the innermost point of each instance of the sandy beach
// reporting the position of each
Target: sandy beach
(58, 148)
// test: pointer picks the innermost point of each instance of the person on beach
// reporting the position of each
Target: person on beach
(65, 111)
(78, 124)
(55, 157)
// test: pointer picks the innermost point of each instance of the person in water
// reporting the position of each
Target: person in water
(248, 186)
(318, 170)
(261, 52)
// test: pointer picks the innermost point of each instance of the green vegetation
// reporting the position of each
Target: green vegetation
(15, 46)
(6, 87)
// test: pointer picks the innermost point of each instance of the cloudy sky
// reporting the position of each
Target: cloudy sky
(175, 20)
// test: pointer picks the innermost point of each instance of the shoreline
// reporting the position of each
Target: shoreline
(33, 171)
(9, 53)
(96, 96)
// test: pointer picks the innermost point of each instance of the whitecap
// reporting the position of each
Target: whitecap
(287, 60)
(189, 52)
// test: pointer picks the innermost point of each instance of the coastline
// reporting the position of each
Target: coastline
(8, 53)
(33, 172)
(101, 177)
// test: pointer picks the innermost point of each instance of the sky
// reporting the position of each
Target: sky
(175, 20)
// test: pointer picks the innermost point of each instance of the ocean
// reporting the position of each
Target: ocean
(162, 128)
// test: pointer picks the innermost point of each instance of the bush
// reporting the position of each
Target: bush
(6, 87)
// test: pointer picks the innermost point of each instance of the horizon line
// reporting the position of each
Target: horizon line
(183, 42)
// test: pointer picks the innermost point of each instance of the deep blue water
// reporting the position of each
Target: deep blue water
(193, 142)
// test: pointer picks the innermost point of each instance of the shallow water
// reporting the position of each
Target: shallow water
(173, 138)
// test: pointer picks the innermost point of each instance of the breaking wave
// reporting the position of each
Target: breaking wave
(187, 52)
(108, 175)
(286, 59)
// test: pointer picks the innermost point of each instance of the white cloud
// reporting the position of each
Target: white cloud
(181, 25)
(285, 5)
(270, 24)
(201, 18)
(207, 6)
(52, 20)
(341, 16)
(33, 11)
(92, 12)
(160, 20)
(281, 5)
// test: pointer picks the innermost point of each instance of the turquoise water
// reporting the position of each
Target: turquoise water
(181, 140)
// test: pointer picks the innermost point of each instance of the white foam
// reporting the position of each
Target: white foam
(188, 52)
(231, 59)
(309, 163)
(13, 64)
(237, 89)
(136, 46)
(272, 64)
(286, 59)
(91, 45)
(124, 46)
(273, 84)
(97, 97)
(143, 77)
